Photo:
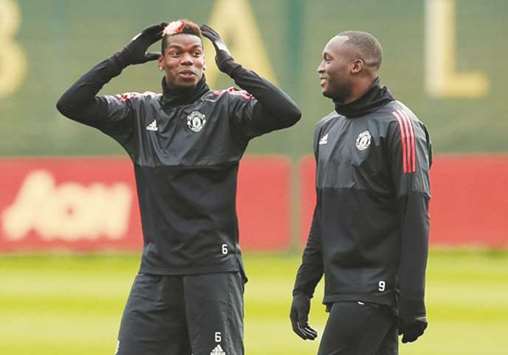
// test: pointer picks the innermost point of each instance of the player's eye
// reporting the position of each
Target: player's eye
(197, 53)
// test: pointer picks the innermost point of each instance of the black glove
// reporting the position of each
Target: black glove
(300, 309)
(412, 319)
(223, 58)
(135, 51)
(411, 329)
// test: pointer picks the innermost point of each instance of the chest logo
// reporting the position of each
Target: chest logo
(363, 140)
(196, 121)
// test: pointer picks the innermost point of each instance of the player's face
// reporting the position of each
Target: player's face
(183, 61)
(334, 69)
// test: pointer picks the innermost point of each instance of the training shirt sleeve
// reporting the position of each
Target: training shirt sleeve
(111, 114)
(264, 107)
(411, 158)
(311, 270)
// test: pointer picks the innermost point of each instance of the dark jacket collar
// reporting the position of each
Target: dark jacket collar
(178, 97)
(373, 99)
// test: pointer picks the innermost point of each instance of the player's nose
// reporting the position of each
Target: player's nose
(320, 69)
(187, 59)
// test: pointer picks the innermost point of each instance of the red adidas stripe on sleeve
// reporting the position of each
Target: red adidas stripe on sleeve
(412, 141)
(407, 139)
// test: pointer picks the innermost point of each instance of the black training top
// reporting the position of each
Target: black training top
(185, 147)
(369, 233)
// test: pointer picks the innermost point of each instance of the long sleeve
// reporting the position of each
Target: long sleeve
(311, 270)
(273, 108)
(81, 104)
(413, 257)
(113, 115)
(410, 150)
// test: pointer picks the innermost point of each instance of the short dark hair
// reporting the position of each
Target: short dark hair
(367, 45)
(179, 27)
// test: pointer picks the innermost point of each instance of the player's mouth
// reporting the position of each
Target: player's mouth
(187, 74)
(322, 81)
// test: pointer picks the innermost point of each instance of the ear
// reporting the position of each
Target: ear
(160, 62)
(357, 66)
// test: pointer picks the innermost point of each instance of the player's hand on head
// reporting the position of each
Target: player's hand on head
(223, 56)
(412, 329)
(136, 51)
(215, 38)
(300, 308)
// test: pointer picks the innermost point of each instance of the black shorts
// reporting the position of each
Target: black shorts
(358, 328)
(183, 315)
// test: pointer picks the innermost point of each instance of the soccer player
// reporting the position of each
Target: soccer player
(185, 145)
(369, 233)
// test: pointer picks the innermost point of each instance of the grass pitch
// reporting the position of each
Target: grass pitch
(56, 305)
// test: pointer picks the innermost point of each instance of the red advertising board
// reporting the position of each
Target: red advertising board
(470, 200)
(469, 204)
(68, 203)
(91, 204)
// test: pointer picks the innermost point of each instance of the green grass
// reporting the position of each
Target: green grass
(52, 305)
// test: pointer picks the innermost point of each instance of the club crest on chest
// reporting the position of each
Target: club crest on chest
(363, 140)
(196, 121)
